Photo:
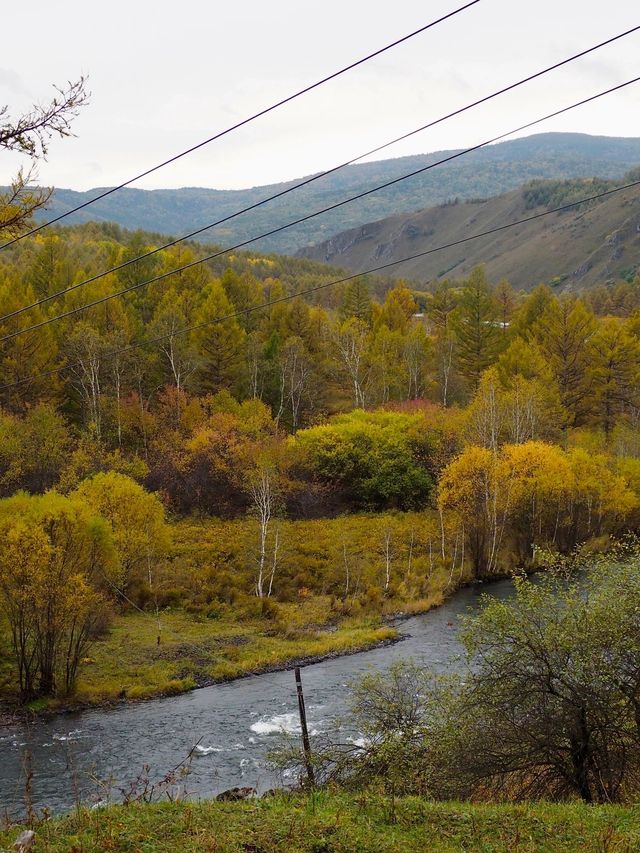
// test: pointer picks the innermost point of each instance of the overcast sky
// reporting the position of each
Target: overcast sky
(164, 76)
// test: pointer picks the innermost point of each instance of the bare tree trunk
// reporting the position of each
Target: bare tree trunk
(118, 380)
(410, 560)
(170, 352)
(274, 562)
(86, 371)
(447, 361)
(453, 561)
(352, 345)
(253, 361)
(346, 568)
(387, 559)
(153, 591)
(143, 426)
(280, 411)
(262, 499)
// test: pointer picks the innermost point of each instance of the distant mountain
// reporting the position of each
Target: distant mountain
(488, 172)
(571, 250)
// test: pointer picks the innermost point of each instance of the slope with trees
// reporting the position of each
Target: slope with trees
(573, 250)
(344, 455)
(493, 170)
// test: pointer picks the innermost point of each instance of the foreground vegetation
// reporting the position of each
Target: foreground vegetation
(547, 705)
(341, 823)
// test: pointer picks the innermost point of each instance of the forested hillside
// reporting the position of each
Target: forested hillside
(571, 250)
(484, 173)
(332, 458)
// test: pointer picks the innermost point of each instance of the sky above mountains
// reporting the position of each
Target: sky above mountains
(164, 76)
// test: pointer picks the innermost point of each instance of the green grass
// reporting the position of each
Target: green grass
(339, 823)
(194, 650)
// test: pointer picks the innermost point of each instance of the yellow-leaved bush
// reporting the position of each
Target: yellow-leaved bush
(532, 494)
(137, 522)
(57, 558)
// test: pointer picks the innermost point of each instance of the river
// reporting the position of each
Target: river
(84, 755)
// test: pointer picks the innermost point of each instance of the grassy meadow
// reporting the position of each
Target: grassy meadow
(195, 651)
(341, 823)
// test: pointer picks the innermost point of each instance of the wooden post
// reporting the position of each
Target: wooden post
(305, 732)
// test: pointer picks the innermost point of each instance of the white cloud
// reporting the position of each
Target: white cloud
(165, 77)
(11, 84)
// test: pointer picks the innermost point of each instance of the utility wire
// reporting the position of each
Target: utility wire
(243, 312)
(71, 312)
(245, 121)
(310, 180)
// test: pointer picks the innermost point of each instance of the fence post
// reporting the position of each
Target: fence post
(305, 732)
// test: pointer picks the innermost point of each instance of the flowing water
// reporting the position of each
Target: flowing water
(85, 756)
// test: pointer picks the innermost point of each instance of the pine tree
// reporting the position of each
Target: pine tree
(613, 372)
(477, 328)
(441, 304)
(356, 301)
(532, 309)
(562, 333)
(506, 299)
(220, 345)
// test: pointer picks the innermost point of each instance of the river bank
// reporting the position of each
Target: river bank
(13, 714)
(204, 639)
(129, 666)
(95, 754)
(329, 823)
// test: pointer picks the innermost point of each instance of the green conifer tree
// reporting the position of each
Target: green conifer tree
(476, 326)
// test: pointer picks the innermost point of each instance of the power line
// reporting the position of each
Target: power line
(245, 121)
(280, 228)
(316, 288)
(172, 243)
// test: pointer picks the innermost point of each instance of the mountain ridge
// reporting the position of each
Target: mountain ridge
(486, 172)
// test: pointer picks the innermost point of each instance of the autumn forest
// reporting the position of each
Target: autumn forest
(303, 455)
